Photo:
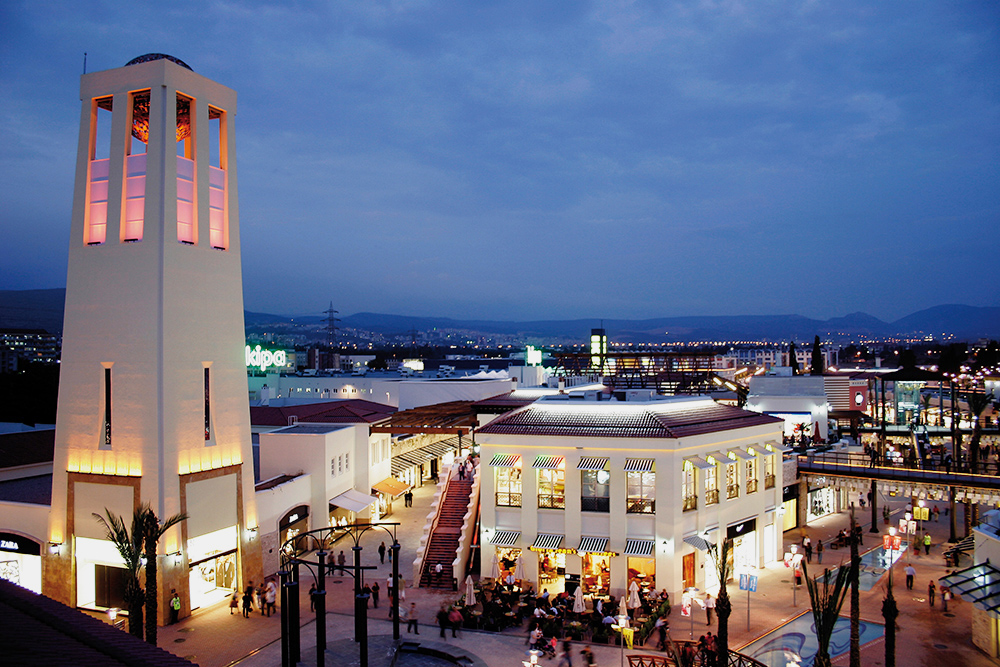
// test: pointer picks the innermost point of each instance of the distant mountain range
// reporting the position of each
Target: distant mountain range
(43, 309)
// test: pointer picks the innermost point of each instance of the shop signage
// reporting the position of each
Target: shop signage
(555, 551)
(740, 529)
(297, 514)
(748, 582)
(264, 359)
(19, 544)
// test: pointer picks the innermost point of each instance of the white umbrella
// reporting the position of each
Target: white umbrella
(578, 604)
(519, 569)
(495, 568)
(633, 596)
(470, 592)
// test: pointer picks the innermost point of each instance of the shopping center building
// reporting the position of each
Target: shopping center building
(605, 492)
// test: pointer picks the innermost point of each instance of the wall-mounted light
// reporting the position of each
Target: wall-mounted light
(177, 557)
(113, 614)
(252, 533)
(55, 548)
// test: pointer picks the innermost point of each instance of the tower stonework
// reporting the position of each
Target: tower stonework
(153, 391)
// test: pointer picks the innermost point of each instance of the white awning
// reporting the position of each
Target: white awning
(638, 465)
(741, 453)
(638, 547)
(775, 447)
(593, 545)
(353, 500)
(592, 463)
(699, 463)
(505, 538)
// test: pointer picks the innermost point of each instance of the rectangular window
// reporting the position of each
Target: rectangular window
(100, 163)
(508, 487)
(218, 228)
(552, 488)
(333, 467)
(641, 492)
(732, 480)
(347, 461)
(769, 471)
(340, 465)
(690, 494)
(712, 485)
(208, 409)
(595, 494)
(106, 441)
(751, 473)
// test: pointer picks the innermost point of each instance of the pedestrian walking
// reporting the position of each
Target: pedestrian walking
(455, 620)
(248, 593)
(945, 596)
(234, 602)
(408, 498)
(442, 620)
(662, 626)
(388, 588)
(247, 602)
(438, 570)
(270, 597)
(175, 606)
(819, 551)
(376, 589)
(461, 472)
(381, 553)
(366, 593)
(931, 590)
(910, 572)
(566, 655)
(927, 543)
(588, 656)
(936, 512)
(312, 597)
(401, 583)
(411, 619)
(341, 559)
(709, 608)
(260, 599)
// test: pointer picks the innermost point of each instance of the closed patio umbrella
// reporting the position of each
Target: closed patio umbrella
(470, 592)
(579, 606)
(633, 596)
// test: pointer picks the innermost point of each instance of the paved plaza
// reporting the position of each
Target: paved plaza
(212, 637)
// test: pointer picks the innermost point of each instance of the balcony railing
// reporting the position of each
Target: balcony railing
(592, 504)
(552, 502)
(768, 481)
(690, 503)
(751, 486)
(640, 506)
(508, 499)
(732, 491)
(712, 497)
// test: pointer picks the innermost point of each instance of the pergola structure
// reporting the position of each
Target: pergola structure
(453, 418)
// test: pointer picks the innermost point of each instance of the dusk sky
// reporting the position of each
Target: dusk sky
(551, 160)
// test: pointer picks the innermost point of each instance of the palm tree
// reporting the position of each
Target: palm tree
(977, 406)
(152, 530)
(889, 613)
(129, 546)
(723, 605)
(826, 605)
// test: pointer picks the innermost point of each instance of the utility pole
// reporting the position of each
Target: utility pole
(331, 325)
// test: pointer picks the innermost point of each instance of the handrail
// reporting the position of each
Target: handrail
(429, 526)
(859, 465)
(461, 562)
(667, 660)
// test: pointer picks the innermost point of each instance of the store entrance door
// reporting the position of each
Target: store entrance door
(213, 579)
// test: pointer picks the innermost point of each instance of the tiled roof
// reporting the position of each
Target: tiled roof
(27, 448)
(41, 631)
(658, 419)
(353, 411)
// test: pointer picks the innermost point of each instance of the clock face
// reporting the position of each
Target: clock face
(859, 399)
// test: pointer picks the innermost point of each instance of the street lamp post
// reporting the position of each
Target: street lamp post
(620, 625)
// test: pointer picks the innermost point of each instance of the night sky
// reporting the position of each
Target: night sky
(549, 160)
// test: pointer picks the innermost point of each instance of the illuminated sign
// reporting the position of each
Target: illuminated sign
(532, 356)
(264, 359)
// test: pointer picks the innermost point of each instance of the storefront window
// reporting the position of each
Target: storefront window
(508, 487)
(642, 569)
(551, 571)
(751, 472)
(595, 491)
(732, 481)
(712, 485)
(769, 471)
(596, 574)
(292, 524)
(688, 479)
(821, 502)
(552, 488)
(507, 563)
(641, 492)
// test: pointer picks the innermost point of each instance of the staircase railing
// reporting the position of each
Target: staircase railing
(461, 562)
(431, 523)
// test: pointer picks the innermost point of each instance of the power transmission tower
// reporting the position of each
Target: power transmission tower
(331, 325)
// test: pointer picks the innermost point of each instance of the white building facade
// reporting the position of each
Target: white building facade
(605, 493)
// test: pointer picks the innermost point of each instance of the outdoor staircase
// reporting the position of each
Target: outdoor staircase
(443, 543)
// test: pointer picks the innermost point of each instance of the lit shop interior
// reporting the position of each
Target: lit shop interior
(21, 561)
(212, 559)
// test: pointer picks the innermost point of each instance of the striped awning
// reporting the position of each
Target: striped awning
(506, 461)
(551, 462)
(593, 545)
(505, 538)
(441, 448)
(741, 453)
(592, 463)
(548, 541)
(638, 465)
(699, 463)
(698, 542)
(639, 547)
(401, 462)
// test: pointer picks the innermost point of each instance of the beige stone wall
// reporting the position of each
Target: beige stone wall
(984, 632)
